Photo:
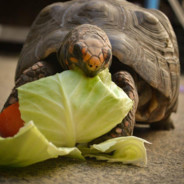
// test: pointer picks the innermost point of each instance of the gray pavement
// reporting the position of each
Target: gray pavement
(165, 154)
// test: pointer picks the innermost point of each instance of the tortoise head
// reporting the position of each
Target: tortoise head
(86, 47)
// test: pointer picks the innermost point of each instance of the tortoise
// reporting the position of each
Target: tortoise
(137, 45)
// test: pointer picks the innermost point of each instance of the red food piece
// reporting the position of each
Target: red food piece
(10, 121)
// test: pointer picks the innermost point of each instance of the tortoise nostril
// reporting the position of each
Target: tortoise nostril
(91, 66)
(94, 63)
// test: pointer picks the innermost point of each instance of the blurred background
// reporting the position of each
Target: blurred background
(17, 16)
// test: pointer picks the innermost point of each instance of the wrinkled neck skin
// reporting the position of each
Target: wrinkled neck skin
(86, 47)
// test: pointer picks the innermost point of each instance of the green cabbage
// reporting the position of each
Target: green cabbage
(70, 108)
(128, 150)
(29, 146)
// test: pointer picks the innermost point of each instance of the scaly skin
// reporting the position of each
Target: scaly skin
(125, 81)
(38, 70)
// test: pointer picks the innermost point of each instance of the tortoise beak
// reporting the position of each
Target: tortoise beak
(90, 73)
(94, 65)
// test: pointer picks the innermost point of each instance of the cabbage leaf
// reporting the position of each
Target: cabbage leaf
(70, 108)
(128, 150)
(30, 146)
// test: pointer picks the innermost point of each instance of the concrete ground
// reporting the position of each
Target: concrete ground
(165, 154)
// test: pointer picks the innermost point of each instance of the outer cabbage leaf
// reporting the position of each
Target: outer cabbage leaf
(70, 108)
(128, 150)
(29, 146)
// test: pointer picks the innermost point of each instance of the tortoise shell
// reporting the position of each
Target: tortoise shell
(141, 39)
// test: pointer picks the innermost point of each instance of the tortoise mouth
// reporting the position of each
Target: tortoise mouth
(90, 73)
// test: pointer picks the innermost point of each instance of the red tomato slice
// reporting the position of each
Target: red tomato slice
(10, 121)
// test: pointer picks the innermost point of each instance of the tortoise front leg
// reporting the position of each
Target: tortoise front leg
(35, 72)
(125, 81)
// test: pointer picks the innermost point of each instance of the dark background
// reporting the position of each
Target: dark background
(21, 13)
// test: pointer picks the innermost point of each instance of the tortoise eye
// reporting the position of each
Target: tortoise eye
(77, 50)
(106, 54)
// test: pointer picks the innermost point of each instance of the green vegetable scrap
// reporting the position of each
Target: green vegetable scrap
(66, 110)
(29, 146)
(128, 150)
